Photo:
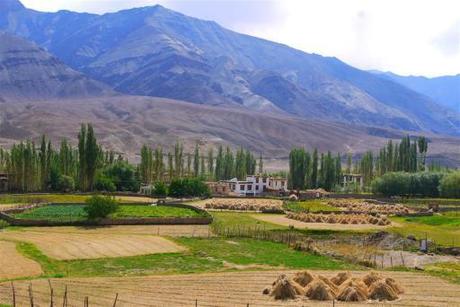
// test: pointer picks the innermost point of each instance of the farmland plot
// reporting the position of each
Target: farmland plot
(13, 264)
(69, 246)
(219, 289)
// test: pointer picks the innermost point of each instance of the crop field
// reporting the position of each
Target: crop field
(310, 206)
(76, 212)
(14, 265)
(66, 246)
(240, 204)
(215, 289)
(443, 229)
(284, 221)
(64, 198)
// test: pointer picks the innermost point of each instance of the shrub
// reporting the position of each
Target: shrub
(3, 224)
(188, 187)
(408, 184)
(104, 183)
(450, 185)
(66, 183)
(122, 174)
(160, 189)
(100, 206)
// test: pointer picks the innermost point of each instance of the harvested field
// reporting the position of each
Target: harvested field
(14, 265)
(135, 199)
(369, 206)
(69, 246)
(242, 204)
(284, 221)
(339, 218)
(219, 289)
(158, 230)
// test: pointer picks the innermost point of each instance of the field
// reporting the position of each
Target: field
(65, 246)
(310, 206)
(442, 229)
(76, 212)
(217, 289)
(284, 221)
(63, 198)
(13, 264)
(240, 204)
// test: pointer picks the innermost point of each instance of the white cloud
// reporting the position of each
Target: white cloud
(419, 37)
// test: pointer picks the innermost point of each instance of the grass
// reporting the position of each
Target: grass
(239, 219)
(203, 255)
(310, 206)
(442, 229)
(154, 211)
(446, 270)
(76, 212)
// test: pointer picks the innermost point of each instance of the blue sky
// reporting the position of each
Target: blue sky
(409, 37)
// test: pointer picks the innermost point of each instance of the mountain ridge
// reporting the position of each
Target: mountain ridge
(155, 51)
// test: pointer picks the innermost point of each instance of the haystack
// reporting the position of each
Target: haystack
(331, 219)
(394, 285)
(355, 283)
(380, 291)
(340, 278)
(351, 294)
(318, 290)
(354, 221)
(371, 278)
(303, 278)
(284, 288)
(330, 284)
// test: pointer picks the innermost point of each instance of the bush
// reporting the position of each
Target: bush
(160, 189)
(122, 174)
(104, 184)
(66, 183)
(100, 206)
(3, 224)
(408, 184)
(188, 187)
(450, 185)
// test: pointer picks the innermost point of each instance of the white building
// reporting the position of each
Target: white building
(256, 184)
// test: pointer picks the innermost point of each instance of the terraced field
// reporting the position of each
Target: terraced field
(14, 265)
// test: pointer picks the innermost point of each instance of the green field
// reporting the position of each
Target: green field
(76, 212)
(310, 206)
(447, 270)
(203, 255)
(442, 229)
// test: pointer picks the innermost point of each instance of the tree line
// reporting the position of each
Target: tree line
(220, 165)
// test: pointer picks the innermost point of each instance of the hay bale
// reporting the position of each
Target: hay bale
(284, 288)
(394, 285)
(340, 278)
(266, 290)
(380, 291)
(303, 278)
(355, 283)
(354, 221)
(331, 219)
(319, 290)
(330, 284)
(371, 278)
(351, 294)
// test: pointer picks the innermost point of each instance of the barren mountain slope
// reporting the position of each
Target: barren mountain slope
(125, 123)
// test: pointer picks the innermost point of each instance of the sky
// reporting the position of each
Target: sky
(407, 37)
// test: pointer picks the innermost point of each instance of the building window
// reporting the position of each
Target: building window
(264, 180)
(257, 179)
(249, 187)
(257, 188)
(241, 186)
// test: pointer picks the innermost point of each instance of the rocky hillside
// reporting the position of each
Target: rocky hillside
(158, 52)
(27, 72)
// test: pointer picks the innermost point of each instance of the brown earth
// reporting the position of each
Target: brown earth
(284, 221)
(14, 265)
(217, 289)
(125, 123)
(69, 246)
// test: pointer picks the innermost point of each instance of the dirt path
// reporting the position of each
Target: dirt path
(284, 221)
(220, 289)
(14, 265)
(70, 246)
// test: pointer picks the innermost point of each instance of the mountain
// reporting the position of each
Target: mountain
(158, 52)
(125, 123)
(27, 72)
(445, 90)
